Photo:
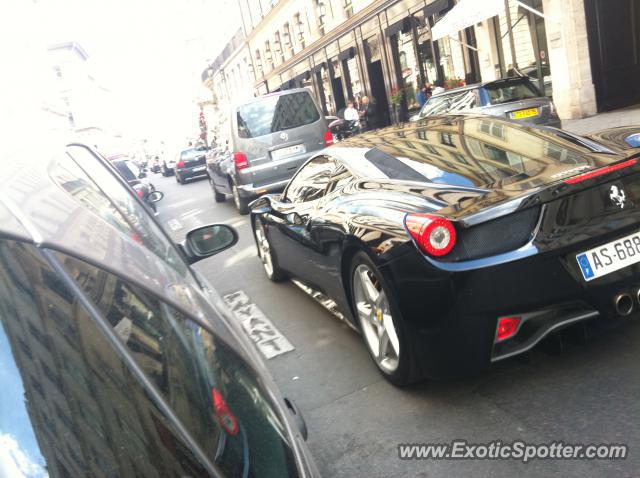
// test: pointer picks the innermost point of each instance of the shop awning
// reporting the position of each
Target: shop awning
(465, 14)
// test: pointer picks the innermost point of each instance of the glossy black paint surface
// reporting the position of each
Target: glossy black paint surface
(117, 359)
(492, 178)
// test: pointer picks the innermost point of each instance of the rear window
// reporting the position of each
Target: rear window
(459, 101)
(192, 153)
(507, 92)
(271, 114)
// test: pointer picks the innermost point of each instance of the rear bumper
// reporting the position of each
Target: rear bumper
(249, 191)
(190, 173)
(451, 317)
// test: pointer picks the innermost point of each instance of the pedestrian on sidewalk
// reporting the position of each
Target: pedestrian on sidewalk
(369, 113)
(350, 113)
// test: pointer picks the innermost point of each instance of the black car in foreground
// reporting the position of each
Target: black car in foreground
(457, 241)
(116, 358)
(191, 164)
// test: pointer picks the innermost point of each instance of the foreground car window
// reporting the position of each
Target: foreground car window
(311, 181)
(276, 113)
(212, 390)
(69, 406)
(105, 187)
(128, 170)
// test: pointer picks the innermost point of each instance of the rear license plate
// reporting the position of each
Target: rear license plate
(610, 257)
(199, 168)
(289, 151)
(521, 114)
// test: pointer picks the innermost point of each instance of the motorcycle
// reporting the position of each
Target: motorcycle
(149, 195)
(342, 128)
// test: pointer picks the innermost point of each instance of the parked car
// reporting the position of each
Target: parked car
(532, 72)
(514, 98)
(168, 167)
(137, 179)
(155, 165)
(117, 358)
(461, 240)
(218, 160)
(191, 164)
(271, 136)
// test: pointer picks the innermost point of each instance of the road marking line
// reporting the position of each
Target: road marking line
(266, 337)
(245, 253)
(174, 224)
(239, 223)
(191, 213)
(181, 203)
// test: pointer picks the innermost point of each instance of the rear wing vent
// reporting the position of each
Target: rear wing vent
(500, 235)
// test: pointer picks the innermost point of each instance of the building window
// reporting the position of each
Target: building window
(277, 46)
(447, 139)
(321, 11)
(492, 128)
(258, 68)
(348, 8)
(286, 37)
(268, 56)
(299, 26)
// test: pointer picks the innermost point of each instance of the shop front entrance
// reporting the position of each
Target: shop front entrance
(376, 79)
(613, 30)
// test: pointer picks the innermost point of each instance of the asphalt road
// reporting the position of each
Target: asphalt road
(588, 393)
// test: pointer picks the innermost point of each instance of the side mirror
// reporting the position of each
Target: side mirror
(261, 205)
(142, 175)
(206, 241)
(295, 219)
(155, 196)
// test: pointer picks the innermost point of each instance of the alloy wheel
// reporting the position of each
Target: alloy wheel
(264, 250)
(376, 321)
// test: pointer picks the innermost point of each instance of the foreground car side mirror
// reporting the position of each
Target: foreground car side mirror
(207, 241)
(155, 196)
(142, 175)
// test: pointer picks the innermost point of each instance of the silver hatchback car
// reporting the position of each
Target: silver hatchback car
(515, 98)
(271, 137)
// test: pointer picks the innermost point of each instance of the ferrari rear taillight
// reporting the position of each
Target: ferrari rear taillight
(240, 160)
(600, 172)
(507, 327)
(228, 421)
(328, 138)
(434, 235)
(180, 164)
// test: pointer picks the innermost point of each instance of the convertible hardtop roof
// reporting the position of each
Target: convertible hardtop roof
(471, 150)
(498, 82)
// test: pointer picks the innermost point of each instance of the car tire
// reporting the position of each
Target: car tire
(378, 318)
(218, 197)
(266, 254)
(178, 179)
(241, 204)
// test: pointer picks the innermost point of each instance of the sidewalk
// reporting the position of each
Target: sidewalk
(610, 119)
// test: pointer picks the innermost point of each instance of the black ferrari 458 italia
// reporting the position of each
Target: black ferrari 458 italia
(462, 240)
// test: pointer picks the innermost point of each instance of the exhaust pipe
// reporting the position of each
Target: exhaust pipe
(623, 304)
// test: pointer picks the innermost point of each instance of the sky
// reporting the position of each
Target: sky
(149, 55)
